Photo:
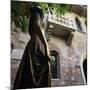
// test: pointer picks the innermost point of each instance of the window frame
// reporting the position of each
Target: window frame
(55, 53)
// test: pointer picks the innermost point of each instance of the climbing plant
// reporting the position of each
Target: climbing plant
(20, 11)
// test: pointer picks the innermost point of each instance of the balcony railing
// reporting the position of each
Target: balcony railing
(62, 21)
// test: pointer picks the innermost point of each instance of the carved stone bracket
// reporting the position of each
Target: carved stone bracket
(69, 39)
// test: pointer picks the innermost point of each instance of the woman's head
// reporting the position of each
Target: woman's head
(35, 10)
(36, 19)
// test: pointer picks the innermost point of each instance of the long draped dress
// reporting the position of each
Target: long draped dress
(34, 69)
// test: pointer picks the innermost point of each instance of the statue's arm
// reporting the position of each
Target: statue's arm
(44, 41)
(40, 32)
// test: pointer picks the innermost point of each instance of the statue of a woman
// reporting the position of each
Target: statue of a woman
(34, 69)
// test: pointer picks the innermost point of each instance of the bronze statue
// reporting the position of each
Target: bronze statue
(34, 69)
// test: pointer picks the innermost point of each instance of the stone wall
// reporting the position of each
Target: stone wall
(69, 59)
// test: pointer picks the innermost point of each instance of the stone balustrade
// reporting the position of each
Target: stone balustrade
(63, 21)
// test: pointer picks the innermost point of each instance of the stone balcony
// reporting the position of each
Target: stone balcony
(61, 27)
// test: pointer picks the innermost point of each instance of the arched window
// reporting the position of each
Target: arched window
(55, 64)
(83, 64)
(85, 69)
(79, 28)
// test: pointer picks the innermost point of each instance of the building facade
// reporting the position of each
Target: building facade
(67, 45)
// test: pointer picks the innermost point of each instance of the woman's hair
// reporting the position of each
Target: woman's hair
(37, 9)
(35, 12)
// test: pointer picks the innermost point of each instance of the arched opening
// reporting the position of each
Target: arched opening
(54, 65)
(83, 63)
(85, 69)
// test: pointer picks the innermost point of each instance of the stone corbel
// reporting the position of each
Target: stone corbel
(69, 39)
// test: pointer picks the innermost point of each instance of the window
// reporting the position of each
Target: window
(83, 63)
(55, 65)
(85, 68)
(79, 28)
